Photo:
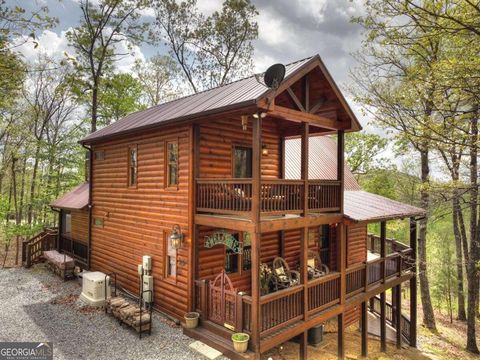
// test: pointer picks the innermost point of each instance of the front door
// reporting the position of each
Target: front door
(222, 301)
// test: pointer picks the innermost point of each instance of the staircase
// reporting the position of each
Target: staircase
(33, 248)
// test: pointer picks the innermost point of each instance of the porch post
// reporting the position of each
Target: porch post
(304, 345)
(364, 329)
(413, 284)
(383, 325)
(340, 164)
(304, 237)
(341, 339)
(256, 236)
(304, 165)
(398, 315)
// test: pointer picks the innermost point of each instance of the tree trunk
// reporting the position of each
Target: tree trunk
(472, 274)
(94, 107)
(22, 188)
(459, 257)
(33, 183)
(428, 315)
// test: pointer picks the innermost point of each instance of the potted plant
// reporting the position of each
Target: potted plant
(240, 342)
(191, 320)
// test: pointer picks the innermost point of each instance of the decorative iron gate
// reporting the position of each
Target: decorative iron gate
(222, 298)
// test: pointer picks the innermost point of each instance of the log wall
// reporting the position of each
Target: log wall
(137, 220)
(79, 230)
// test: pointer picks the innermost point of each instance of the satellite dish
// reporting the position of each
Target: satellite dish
(274, 76)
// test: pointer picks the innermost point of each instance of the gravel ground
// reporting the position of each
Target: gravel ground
(36, 305)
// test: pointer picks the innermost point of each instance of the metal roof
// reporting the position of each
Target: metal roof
(360, 205)
(236, 94)
(77, 198)
(322, 161)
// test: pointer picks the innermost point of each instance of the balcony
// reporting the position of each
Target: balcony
(277, 196)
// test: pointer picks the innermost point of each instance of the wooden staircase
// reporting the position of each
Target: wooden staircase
(33, 248)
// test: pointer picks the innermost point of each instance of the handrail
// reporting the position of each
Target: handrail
(323, 279)
(265, 299)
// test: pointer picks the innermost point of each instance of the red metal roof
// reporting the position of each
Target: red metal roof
(236, 94)
(77, 198)
(322, 161)
(360, 205)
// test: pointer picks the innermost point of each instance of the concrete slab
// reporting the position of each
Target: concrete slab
(205, 350)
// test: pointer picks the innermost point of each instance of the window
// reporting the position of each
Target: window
(236, 263)
(172, 164)
(66, 222)
(170, 258)
(325, 244)
(132, 166)
(242, 162)
(99, 155)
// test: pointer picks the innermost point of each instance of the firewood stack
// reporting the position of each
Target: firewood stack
(128, 313)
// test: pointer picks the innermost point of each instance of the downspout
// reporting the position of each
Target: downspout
(89, 179)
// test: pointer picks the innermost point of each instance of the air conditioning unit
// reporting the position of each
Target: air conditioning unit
(93, 288)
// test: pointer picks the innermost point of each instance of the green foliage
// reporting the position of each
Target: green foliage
(362, 152)
(119, 95)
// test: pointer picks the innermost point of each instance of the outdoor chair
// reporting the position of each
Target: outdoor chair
(315, 266)
(283, 277)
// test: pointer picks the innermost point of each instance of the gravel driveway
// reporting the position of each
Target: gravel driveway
(36, 305)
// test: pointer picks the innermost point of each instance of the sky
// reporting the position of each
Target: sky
(289, 30)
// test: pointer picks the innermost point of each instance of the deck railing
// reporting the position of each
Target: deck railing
(278, 196)
(32, 249)
(392, 245)
(389, 316)
(323, 292)
(74, 248)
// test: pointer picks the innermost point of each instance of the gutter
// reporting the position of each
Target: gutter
(90, 180)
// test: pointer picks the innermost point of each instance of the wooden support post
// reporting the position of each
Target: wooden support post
(281, 243)
(342, 260)
(383, 253)
(364, 329)
(304, 270)
(383, 323)
(256, 236)
(304, 345)
(304, 165)
(341, 164)
(398, 314)
(413, 285)
(341, 336)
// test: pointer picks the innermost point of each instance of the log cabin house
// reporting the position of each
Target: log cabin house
(246, 175)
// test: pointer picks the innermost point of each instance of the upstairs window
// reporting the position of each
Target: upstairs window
(242, 162)
(132, 166)
(172, 164)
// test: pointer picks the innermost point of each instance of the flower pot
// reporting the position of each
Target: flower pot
(191, 320)
(240, 342)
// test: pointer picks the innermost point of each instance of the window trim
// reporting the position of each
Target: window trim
(166, 165)
(129, 167)
(166, 276)
(99, 152)
(240, 145)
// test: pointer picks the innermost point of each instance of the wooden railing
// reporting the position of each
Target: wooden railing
(323, 292)
(355, 278)
(390, 316)
(32, 249)
(280, 309)
(324, 195)
(391, 245)
(74, 248)
(278, 196)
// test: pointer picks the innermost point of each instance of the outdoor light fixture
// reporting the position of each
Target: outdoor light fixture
(262, 115)
(244, 122)
(176, 237)
(264, 149)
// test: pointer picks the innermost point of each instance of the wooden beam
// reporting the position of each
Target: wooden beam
(306, 84)
(299, 222)
(304, 270)
(296, 100)
(304, 165)
(298, 116)
(341, 165)
(304, 345)
(341, 336)
(342, 261)
(320, 102)
(225, 222)
(383, 252)
(398, 315)
(256, 236)
(364, 329)
(413, 285)
(281, 243)
(383, 323)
